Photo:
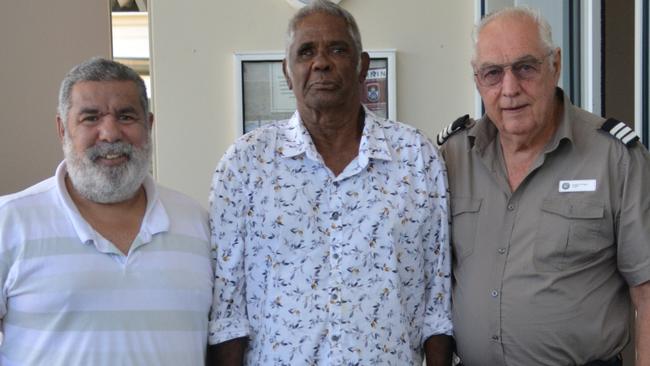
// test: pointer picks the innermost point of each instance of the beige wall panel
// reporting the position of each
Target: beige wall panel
(40, 42)
(193, 83)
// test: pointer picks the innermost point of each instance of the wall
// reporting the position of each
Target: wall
(41, 41)
(192, 70)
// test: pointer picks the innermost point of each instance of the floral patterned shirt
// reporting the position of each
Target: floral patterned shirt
(318, 269)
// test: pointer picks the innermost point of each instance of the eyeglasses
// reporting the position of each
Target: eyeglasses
(525, 69)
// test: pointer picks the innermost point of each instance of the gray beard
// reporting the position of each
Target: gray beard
(103, 184)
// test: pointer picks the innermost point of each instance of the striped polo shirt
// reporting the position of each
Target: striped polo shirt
(70, 297)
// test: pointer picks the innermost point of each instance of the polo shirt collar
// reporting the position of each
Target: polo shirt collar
(155, 219)
(295, 140)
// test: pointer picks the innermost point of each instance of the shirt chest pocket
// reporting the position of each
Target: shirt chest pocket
(572, 234)
(464, 216)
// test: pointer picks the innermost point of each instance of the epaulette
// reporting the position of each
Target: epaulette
(621, 131)
(458, 125)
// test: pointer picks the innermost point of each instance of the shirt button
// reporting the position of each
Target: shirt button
(336, 184)
(494, 293)
(501, 250)
(511, 207)
(335, 256)
(335, 338)
(335, 215)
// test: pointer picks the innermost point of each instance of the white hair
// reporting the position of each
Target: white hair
(543, 28)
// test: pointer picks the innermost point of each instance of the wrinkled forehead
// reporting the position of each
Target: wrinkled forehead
(104, 94)
(321, 28)
(508, 39)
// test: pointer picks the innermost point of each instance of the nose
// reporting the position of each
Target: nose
(510, 84)
(109, 129)
(322, 61)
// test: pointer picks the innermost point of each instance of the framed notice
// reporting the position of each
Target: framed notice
(263, 95)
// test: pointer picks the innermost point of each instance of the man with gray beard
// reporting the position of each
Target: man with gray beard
(100, 265)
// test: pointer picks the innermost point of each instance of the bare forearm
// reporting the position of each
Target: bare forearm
(229, 353)
(437, 350)
(642, 337)
(641, 299)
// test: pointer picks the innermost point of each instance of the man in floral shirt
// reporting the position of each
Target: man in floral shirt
(332, 226)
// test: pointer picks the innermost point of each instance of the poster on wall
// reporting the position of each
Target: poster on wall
(375, 89)
(264, 96)
(282, 98)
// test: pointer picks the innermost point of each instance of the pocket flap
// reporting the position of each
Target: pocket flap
(461, 205)
(574, 209)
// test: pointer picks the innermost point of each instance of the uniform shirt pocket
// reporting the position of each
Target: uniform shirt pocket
(571, 233)
(464, 216)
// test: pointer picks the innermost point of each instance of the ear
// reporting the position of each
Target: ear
(60, 128)
(557, 63)
(474, 77)
(150, 120)
(285, 71)
(365, 65)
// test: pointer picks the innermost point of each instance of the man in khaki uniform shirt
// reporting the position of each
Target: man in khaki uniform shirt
(550, 210)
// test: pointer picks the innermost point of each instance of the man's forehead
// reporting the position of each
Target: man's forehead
(104, 90)
(105, 84)
(321, 26)
(503, 58)
(508, 40)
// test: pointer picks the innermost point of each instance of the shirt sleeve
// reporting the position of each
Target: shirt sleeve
(437, 252)
(633, 229)
(10, 234)
(228, 318)
(7, 253)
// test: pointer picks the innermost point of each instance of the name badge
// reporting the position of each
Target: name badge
(583, 185)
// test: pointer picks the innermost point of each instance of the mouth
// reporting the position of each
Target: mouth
(515, 108)
(112, 159)
(111, 156)
(323, 85)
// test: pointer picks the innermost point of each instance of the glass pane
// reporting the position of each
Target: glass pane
(267, 96)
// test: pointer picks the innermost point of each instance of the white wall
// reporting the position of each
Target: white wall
(192, 70)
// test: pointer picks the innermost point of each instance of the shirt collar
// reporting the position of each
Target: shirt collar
(564, 128)
(374, 144)
(294, 140)
(155, 219)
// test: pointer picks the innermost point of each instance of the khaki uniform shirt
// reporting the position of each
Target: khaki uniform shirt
(542, 273)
